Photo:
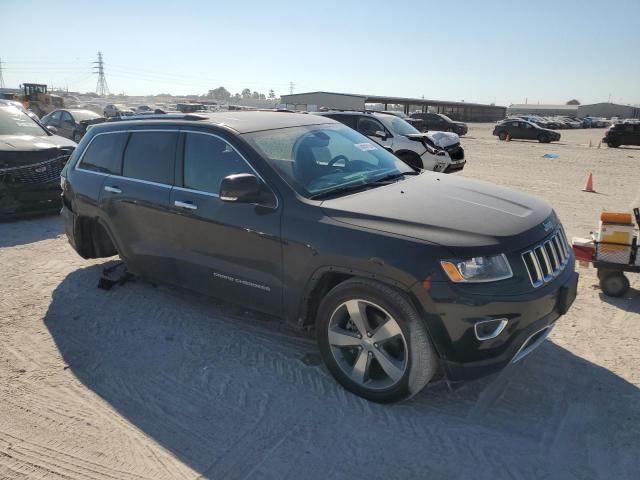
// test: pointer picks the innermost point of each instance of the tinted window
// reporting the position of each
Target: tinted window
(149, 156)
(55, 116)
(66, 117)
(207, 160)
(104, 153)
(348, 120)
(368, 126)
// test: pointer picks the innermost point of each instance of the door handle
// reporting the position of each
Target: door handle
(187, 205)
(112, 189)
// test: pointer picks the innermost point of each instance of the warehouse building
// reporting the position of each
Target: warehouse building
(542, 110)
(463, 111)
(608, 110)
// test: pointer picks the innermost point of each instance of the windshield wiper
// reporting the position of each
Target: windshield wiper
(339, 190)
(392, 176)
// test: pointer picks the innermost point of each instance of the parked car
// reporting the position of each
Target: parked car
(439, 123)
(143, 108)
(622, 134)
(572, 122)
(523, 130)
(437, 151)
(400, 273)
(31, 159)
(114, 110)
(72, 124)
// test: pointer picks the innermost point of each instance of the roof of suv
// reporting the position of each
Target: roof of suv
(240, 121)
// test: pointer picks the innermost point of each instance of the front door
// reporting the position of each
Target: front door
(232, 251)
(371, 128)
(67, 125)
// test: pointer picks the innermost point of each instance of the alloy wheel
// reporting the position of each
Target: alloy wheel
(368, 344)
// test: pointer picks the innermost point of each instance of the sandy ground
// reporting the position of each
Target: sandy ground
(152, 383)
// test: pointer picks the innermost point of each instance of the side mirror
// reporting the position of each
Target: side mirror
(244, 188)
(380, 134)
(52, 129)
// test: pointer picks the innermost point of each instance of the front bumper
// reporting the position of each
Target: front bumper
(456, 166)
(530, 317)
(17, 200)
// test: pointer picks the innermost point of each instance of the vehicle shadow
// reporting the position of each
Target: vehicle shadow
(630, 302)
(29, 230)
(231, 395)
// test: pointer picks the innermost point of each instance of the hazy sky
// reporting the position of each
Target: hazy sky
(478, 51)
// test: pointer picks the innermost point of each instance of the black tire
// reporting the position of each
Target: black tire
(420, 362)
(614, 284)
(613, 143)
(542, 138)
(412, 159)
(77, 136)
(502, 135)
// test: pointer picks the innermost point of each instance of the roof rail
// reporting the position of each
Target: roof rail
(159, 116)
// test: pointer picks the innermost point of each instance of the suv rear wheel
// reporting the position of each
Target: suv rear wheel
(374, 342)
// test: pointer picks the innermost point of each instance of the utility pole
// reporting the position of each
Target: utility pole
(291, 87)
(1, 78)
(101, 87)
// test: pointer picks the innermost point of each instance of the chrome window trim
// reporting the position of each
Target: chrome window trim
(191, 190)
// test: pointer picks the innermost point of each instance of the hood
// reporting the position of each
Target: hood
(29, 143)
(439, 139)
(446, 210)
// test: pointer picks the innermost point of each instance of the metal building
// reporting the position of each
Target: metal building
(542, 110)
(608, 110)
(469, 112)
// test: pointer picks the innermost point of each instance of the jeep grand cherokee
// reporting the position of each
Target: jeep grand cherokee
(300, 216)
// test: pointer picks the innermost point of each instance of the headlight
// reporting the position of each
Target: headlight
(478, 269)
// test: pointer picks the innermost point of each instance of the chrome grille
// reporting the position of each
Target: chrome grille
(546, 260)
(41, 172)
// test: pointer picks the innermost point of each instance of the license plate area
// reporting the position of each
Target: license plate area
(566, 295)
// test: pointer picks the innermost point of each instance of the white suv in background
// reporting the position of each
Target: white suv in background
(437, 151)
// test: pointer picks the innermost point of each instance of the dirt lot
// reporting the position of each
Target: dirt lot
(152, 383)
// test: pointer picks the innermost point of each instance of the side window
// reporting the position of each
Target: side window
(66, 118)
(149, 156)
(104, 153)
(369, 126)
(526, 125)
(348, 120)
(55, 117)
(207, 160)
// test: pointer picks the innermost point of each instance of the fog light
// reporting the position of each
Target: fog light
(488, 329)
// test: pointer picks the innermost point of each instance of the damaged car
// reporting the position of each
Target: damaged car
(31, 159)
(436, 151)
(72, 123)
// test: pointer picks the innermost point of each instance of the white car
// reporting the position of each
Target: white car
(437, 151)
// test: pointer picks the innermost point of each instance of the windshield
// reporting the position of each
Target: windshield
(399, 126)
(14, 121)
(80, 115)
(320, 159)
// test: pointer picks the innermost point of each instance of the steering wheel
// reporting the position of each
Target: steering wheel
(335, 159)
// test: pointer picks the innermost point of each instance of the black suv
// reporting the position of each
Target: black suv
(523, 130)
(31, 159)
(299, 216)
(623, 134)
(438, 122)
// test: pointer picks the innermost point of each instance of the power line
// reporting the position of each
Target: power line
(101, 87)
(291, 87)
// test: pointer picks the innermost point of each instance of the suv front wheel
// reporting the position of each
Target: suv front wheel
(374, 342)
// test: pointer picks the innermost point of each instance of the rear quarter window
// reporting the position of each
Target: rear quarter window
(104, 153)
(149, 156)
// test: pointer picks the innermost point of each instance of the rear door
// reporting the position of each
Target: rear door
(136, 203)
(224, 249)
(529, 131)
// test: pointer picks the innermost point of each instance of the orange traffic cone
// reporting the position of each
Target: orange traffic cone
(588, 187)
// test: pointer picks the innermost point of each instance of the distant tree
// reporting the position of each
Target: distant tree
(219, 93)
(246, 93)
(272, 94)
(236, 97)
(573, 102)
(255, 95)
(262, 96)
